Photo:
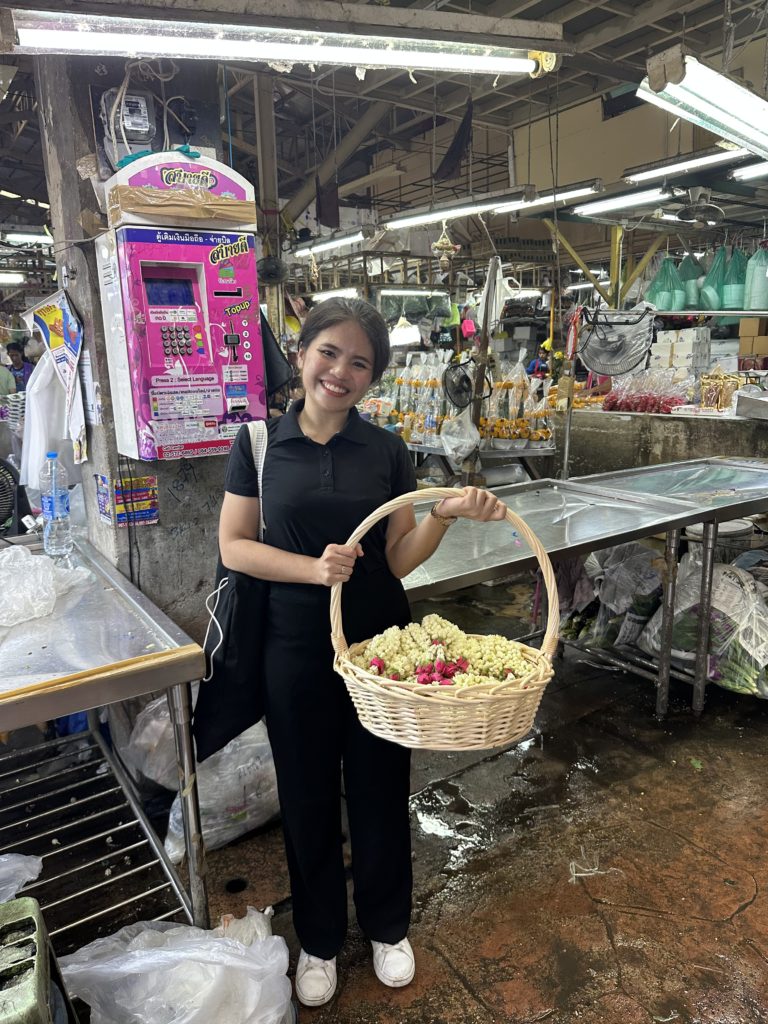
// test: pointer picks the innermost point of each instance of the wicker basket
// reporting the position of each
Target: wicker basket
(434, 717)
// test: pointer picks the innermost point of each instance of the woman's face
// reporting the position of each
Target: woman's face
(337, 367)
(15, 357)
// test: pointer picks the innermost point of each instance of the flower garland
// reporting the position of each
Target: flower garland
(436, 652)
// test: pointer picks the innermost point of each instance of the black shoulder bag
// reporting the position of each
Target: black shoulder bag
(229, 700)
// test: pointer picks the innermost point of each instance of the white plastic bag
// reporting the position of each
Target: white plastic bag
(237, 789)
(161, 973)
(16, 869)
(459, 436)
(30, 584)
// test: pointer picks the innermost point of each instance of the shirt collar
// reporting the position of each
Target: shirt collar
(288, 426)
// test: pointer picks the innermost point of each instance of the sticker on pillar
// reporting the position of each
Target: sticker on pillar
(132, 500)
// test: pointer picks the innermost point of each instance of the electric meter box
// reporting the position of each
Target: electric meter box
(182, 321)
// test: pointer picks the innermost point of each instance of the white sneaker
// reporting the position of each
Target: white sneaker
(315, 979)
(394, 965)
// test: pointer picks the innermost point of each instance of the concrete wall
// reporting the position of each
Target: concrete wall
(603, 441)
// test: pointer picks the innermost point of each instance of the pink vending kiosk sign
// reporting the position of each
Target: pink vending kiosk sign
(182, 318)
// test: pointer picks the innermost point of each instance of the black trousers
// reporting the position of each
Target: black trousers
(316, 735)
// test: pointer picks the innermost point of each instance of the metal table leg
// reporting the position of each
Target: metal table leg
(705, 605)
(667, 618)
(180, 706)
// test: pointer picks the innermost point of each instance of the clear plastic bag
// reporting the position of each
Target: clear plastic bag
(691, 271)
(30, 584)
(16, 869)
(237, 790)
(155, 972)
(654, 391)
(738, 633)
(459, 436)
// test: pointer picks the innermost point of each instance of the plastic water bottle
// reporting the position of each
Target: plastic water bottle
(57, 531)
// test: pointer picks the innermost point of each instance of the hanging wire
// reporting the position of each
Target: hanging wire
(729, 31)
(229, 115)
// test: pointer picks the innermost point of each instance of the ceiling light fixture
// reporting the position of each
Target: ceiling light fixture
(332, 243)
(11, 277)
(679, 165)
(28, 238)
(689, 89)
(748, 173)
(405, 292)
(40, 32)
(566, 195)
(336, 293)
(416, 220)
(626, 201)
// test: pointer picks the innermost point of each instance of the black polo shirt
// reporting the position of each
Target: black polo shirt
(317, 494)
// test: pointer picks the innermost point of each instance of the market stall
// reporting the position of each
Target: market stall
(70, 800)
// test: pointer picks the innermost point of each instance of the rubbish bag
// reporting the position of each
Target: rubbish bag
(734, 281)
(667, 291)
(237, 789)
(16, 869)
(756, 287)
(712, 288)
(156, 972)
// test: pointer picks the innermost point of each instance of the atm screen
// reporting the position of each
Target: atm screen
(169, 291)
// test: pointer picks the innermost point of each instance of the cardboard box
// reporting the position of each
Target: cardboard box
(730, 364)
(745, 346)
(524, 333)
(760, 345)
(751, 326)
(685, 334)
(727, 347)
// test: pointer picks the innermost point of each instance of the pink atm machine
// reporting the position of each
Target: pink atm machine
(181, 308)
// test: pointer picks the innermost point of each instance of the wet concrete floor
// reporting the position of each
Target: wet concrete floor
(610, 869)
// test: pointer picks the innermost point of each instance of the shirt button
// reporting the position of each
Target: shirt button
(327, 472)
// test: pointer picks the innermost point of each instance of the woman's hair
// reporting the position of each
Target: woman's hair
(331, 312)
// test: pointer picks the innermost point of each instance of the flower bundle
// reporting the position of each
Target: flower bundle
(436, 652)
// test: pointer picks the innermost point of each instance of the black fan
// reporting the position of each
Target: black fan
(272, 270)
(9, 506)
(459, 383)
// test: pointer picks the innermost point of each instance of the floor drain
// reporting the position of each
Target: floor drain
(236, 884)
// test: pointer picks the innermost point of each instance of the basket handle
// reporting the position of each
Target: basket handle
(548, 644)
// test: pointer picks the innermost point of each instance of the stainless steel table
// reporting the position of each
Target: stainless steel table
(104, 642)
(721, 489)
(589, 513)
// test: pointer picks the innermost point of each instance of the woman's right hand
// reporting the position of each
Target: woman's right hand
(336, 563)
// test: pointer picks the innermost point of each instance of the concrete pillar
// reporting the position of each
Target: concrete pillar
(264, 107)
(172, 562)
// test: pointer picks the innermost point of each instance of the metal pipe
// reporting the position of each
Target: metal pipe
(59, 829)
(705, 606)
(667, 620)
(180, 707)
(115, 906)
(126, 783)
(61, 807)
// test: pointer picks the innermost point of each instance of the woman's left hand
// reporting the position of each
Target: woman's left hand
(473, 503)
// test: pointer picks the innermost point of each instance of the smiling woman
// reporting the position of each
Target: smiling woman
(325, 470)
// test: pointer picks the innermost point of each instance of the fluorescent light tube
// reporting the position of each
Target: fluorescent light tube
(547, 200)
(436, 216)
(336, 293)
(413, 291)
(627, 201)
(748, 173)
(27, 238)
(706, 98)
(693, 162)
(138, 37)
(11, 277)
(332, 243)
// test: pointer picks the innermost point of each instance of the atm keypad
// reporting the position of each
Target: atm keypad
(176, 340)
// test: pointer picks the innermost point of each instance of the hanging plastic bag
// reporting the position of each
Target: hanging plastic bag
(690, 270)
(734, 281)
(155, 972)
(16, 869)
(459, 436)
(712, 288)
(756, 287)
(667, 291)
